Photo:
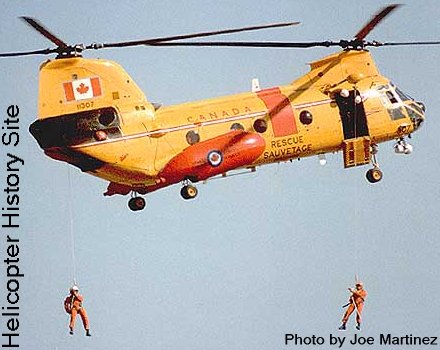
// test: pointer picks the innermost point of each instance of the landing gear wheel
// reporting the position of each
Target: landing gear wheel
(374, 175)
(189, 192)
(136, 203)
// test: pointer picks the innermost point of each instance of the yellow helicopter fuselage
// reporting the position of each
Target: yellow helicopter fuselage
(93, 115)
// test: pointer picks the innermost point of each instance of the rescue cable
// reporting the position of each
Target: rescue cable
(357, 100)
(356, 189)
(72, 235)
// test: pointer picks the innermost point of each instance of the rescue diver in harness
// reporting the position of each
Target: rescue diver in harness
(356, 302)
(73, 306)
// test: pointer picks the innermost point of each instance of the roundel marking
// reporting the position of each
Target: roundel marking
(215, 158)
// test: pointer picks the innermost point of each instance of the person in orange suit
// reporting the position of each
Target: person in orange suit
(73, 306)
(356, 303)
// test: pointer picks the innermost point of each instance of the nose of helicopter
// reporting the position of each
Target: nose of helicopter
(419, 118)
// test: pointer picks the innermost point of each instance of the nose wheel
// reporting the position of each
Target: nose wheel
(188, 191)
(136, 203)
(374, 175)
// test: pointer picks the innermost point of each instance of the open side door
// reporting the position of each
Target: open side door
(356, 144)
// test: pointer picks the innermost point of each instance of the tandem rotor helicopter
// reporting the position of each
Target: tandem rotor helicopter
(91, 114)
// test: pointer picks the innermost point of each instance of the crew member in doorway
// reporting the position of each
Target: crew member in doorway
(355, 303)
(73, 306)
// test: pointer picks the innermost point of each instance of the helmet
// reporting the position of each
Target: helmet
(359, 283)
(74, 288)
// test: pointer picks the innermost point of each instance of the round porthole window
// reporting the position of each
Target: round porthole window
(192, 137)
(306, 117)
(237, 126)
(260, 125)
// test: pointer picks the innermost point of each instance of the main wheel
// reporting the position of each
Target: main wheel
(374, 175)
(188, 192)
(136, 203)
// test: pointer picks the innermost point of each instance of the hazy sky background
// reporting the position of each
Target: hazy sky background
(255, 256)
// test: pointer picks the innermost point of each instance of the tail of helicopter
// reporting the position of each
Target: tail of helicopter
(72, 85)
(85, 101)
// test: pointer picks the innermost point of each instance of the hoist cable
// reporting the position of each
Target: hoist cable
(356, 194)
(71, 231)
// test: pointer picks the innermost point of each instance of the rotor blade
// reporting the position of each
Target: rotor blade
(28, 53)
(375, 21)
(43, 31)
(190, 36)
(414, 43)
(250, 44)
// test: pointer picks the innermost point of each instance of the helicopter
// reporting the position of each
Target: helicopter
(92, 115)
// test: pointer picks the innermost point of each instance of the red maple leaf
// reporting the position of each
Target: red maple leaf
(82, 89)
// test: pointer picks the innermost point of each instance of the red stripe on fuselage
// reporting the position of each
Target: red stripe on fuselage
(280, 111)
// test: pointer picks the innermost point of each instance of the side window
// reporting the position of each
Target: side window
(391, 97)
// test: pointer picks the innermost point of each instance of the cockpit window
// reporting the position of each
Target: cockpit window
(392, 101)
(386, 94)
(396, 113)
(391, 97)
(416, 107)
(412, 114)
(402, 95)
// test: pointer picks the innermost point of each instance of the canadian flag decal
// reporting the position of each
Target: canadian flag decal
(82, 89)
